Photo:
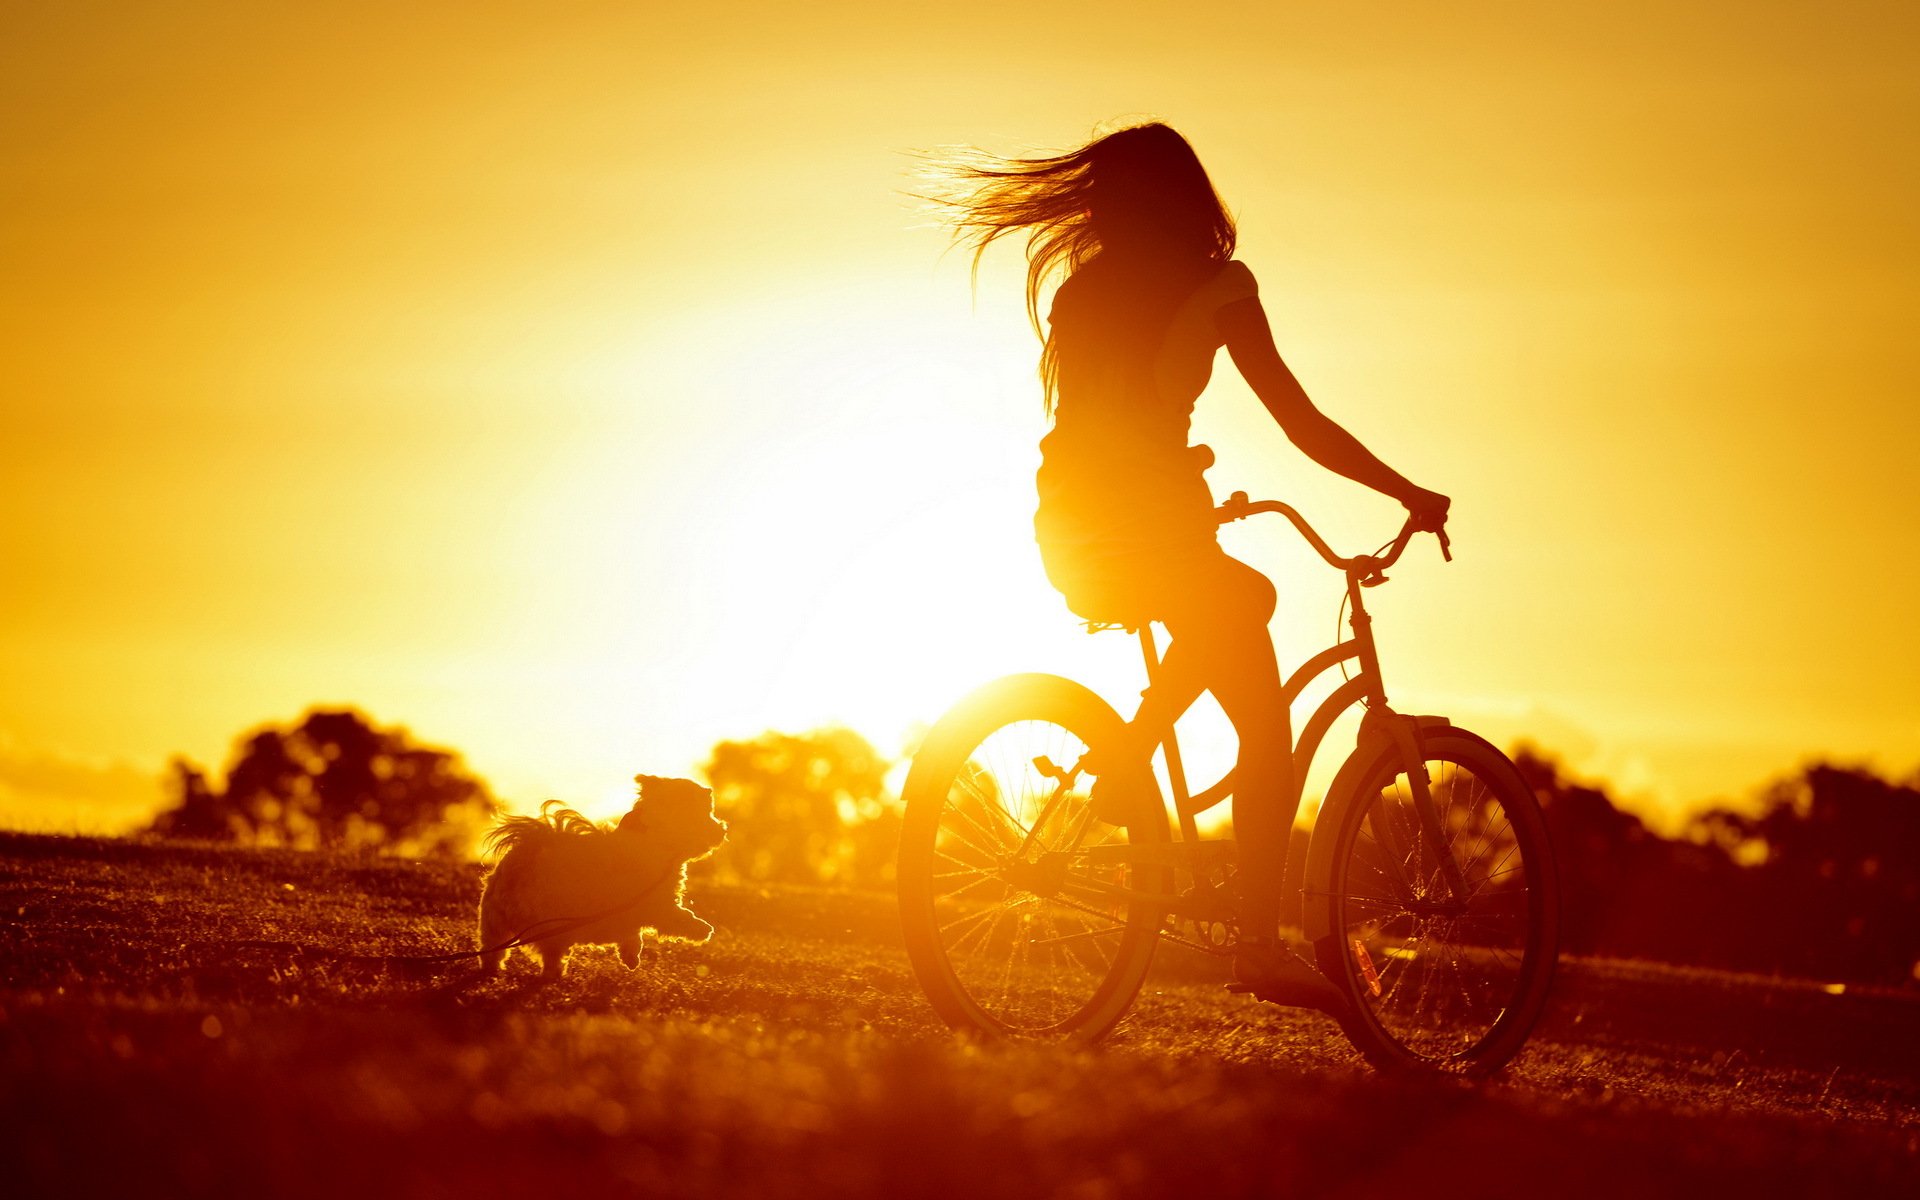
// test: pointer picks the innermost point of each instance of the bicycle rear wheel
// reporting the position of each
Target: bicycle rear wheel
(1019, 908)
(1443, 972)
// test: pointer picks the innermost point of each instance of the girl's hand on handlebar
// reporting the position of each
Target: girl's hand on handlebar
(1428, 510)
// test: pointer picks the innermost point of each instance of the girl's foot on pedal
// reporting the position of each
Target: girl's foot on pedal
(1269, 971)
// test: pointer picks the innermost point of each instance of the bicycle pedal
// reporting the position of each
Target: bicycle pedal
(1045, 766)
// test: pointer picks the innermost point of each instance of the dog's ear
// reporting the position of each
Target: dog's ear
(631, 822)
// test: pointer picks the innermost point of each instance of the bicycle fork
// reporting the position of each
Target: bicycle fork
(1402, 734)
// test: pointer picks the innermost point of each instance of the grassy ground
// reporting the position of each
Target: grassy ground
(142, 1053)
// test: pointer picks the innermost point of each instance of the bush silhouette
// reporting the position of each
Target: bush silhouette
(1834, 874)
(332, 780)
(1822, 883)
(805, 808)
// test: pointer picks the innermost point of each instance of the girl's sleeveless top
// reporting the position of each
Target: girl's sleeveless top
(1121, 491)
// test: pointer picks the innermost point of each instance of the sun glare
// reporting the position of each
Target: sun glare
(891, 545)
(873, 559)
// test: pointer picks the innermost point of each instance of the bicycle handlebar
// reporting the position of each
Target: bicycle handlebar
(1367, 566)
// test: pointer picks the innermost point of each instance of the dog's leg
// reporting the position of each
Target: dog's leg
(553, 959)
(629, 948)
(680, 923)
(491, 935)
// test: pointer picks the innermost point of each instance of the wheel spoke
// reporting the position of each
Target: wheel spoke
(956, 923)
(964, 888)
(988, 803)
(965, 869)
(957, 836)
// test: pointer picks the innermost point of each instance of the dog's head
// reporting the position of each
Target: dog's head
(678, 812)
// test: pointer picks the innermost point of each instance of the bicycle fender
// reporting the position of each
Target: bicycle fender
(1500, 755)
(1377, 738)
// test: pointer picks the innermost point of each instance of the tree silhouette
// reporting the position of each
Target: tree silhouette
(334, 779)
(1628, 892)
(1835, 854)
(805, 808)
(198, 810)
(1823, 882)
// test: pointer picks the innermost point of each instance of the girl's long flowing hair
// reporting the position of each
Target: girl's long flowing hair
(1139, 191)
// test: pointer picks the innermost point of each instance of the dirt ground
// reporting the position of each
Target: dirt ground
(189, 1021)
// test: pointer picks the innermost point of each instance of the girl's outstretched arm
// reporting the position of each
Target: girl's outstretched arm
(1250, 343)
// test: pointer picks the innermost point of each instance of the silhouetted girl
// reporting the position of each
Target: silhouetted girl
(1125, 522)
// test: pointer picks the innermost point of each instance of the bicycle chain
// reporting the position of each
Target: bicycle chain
(1196, 945)
(1164, 933)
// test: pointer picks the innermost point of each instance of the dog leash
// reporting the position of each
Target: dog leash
(532, 933)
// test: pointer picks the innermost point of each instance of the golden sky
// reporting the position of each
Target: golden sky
(572, 383)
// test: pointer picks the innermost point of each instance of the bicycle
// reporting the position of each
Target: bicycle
(1430, 896)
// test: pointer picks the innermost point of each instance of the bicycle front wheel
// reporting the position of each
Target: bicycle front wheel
(1023, 914)
(1444, 932)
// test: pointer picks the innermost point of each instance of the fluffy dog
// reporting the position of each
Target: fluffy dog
(565, 881)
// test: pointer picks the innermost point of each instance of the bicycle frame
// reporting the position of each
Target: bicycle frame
(1034, 905)
(1381, 729)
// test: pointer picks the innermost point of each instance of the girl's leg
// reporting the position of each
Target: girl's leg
(1178, 683)
(1220, 640)
(1185, 590)
(1225, 630)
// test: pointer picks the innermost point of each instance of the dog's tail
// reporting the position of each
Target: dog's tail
(555, 820)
